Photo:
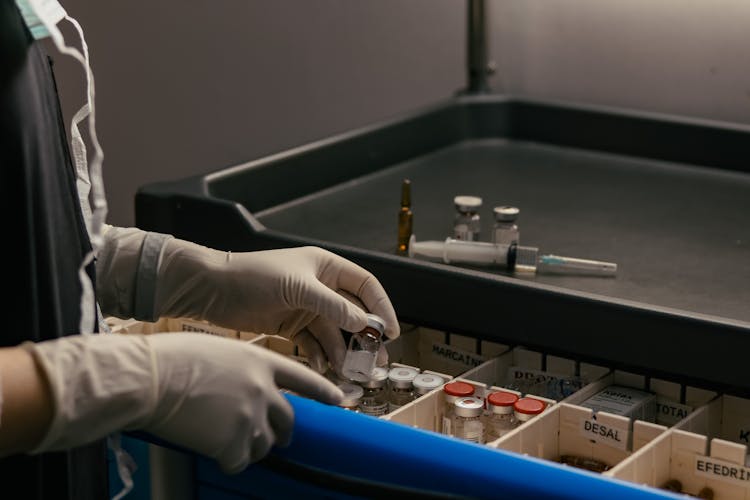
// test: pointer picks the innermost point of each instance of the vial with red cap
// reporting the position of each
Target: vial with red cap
(501, 418)
(452, 392)
(527, 408)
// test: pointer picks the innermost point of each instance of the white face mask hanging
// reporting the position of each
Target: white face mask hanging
(42, 16)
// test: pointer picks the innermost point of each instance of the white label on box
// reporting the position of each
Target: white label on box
(721, 470)
(669, 413)
(615, 437)
(198, 327)
(624, 401)
(455, 356)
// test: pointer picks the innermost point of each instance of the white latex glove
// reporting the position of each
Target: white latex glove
(215, 396)
(306, 294)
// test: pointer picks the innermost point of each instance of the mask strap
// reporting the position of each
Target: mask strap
(50, 13)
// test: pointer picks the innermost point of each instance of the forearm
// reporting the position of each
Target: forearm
(26, 411)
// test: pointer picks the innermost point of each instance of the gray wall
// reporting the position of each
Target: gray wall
(685, 57)
(187, 87)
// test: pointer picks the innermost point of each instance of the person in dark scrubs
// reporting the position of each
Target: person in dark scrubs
(63, 391)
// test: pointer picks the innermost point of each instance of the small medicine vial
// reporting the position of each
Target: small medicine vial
(501, 419)
(505, 230)
(363, 350)
(467, 419)
(375, 398)
(452, 392)
(527, 408)
(425, 382)
(401, 391)
(466, 223)
(352, 396)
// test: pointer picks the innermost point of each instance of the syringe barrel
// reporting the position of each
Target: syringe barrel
(475, 252)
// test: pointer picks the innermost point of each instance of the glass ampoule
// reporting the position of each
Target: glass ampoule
(500, 419)
(375, 398)
(352, 396)
(425, 382)
(405, 219)
(452, 392)
(363, 350)
(467, 419)
(401, 382)
(467, 224)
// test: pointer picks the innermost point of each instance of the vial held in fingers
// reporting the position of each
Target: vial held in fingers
(363, 350)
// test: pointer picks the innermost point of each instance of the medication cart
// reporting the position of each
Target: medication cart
(665, 198)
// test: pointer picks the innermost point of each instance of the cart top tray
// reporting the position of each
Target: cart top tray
(667, 199)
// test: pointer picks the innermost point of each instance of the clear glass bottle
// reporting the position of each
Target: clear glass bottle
(467, 225)
(452, 392)
(425, 382)
(505, 230)
(500, 419)
(401, 391)
(467, 419)
(527, 408)
(363, 350)
(375, 398)
(352, 396)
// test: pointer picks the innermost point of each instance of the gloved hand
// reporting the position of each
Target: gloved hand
(212, 395)
(307, 294)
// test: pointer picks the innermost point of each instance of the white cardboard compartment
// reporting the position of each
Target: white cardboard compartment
(562, 430)
(709, 448)
(441, 352)
(174, 325)
(494, 372)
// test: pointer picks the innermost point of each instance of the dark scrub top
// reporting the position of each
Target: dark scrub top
(44, 241)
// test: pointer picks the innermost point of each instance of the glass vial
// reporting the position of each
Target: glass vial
(363, 350)
(375, 398)
(467, 419)
(527, 408)
(401, 391)
(425, 382)
(405, 218)
(352, 396)
(466, 223)
(505, 230)
(452, 392)
(500, 419)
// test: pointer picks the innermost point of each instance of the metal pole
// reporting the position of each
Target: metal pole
(478, 64)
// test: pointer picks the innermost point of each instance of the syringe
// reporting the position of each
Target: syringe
(513, 257)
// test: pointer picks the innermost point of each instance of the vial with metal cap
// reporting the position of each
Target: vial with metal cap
(467, 419)
(425, 382)
(466, 223)
(363, 350)
(500, 419)
(452, 391)
(401, 381)
(375, 398)
(527, 408)
(352, 396)
(505, 230)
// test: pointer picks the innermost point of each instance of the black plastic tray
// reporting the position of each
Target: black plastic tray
(666, 198)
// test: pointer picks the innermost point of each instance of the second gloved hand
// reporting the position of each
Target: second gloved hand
(298, 293)
(215, 396)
